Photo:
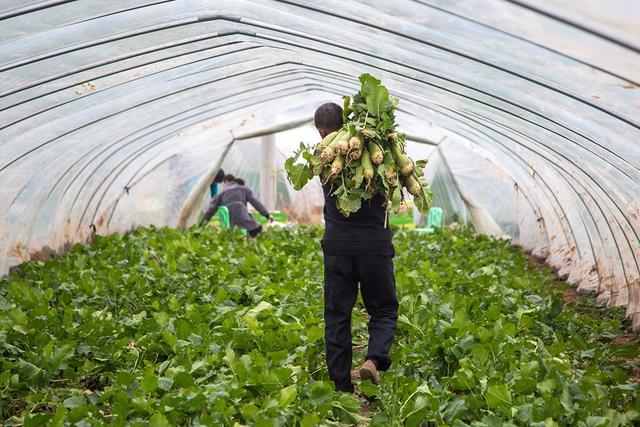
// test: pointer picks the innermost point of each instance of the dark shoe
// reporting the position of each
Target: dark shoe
(345, 388)
(368, 371)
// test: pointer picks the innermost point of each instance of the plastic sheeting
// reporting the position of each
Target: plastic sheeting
(116, 114)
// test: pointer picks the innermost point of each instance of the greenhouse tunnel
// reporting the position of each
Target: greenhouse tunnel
(115, 115)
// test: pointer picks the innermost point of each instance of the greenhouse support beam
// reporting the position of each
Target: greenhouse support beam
(268, 172)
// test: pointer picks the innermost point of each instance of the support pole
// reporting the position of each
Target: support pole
(268, 172)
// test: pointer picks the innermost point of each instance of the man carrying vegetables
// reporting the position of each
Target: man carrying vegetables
(357, 249)
(364, 168)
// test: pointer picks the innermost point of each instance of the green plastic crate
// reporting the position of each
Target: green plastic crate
(277, 217)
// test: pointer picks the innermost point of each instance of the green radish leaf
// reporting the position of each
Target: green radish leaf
(251, 317)
(299, 175)
(309, 420)
(169, 338)
(348, 205)
(547, 386)
(347, 408)
(150, 381)
(396, 198)
(455, 409)
(165, 383)
(369, 389)
(28, 371)
(18, 316)
(597, 422)
(524, 413)
(74, 402)
(377, 100)
(287, 396)
(368, 84)
(159, 420)
(498, 396)
(57, 360)
(250, 412)
(37, 420)
(346, 108)
(320, 393)
(314, 334)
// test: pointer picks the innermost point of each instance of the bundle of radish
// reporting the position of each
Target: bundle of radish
(365, 157)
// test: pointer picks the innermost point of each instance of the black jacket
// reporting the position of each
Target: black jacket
(362, 233)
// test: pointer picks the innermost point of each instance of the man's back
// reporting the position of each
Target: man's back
(362, 233)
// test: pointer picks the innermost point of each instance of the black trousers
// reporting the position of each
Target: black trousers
(255, 231)
(342, 273)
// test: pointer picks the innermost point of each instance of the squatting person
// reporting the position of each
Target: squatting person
(357, 250)
(235, 196)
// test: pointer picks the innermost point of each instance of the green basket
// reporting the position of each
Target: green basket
(434, 220)
(277, 217)
(402, 220)
(222, 215)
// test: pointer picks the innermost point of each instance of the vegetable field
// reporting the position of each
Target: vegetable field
(200, 327)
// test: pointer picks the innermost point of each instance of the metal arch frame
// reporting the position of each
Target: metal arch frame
(70, 86)
(456, 53)
(515, 105)
(533, 42)
(574, 24)
(31, 8)
(259, 25)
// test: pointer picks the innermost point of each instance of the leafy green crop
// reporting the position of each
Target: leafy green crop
(198, 327)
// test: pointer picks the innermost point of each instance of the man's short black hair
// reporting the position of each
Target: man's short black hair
(219, 176)
(328, 116)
